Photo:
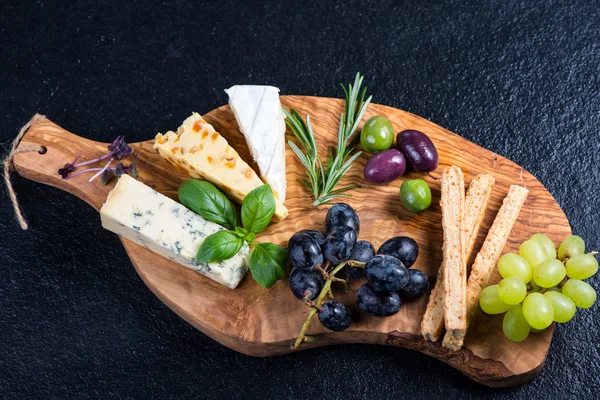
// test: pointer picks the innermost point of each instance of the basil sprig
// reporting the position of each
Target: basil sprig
(267, 260)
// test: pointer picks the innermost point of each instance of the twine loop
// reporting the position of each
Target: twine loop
(8, 163)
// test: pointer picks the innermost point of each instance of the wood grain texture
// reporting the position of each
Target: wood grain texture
(262, 322)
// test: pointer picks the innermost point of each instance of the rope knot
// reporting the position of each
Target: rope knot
(8, 163)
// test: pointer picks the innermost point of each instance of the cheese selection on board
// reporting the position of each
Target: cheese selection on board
(138, 213)
(205, 233)
(198, 150)
(257, 110)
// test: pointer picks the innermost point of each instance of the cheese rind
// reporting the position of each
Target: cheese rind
(257, 110)
(138, 213)
(201, 152)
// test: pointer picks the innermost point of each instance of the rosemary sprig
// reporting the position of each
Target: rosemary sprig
(322, 180)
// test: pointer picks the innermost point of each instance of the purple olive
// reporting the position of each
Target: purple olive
(421, 155)
(385, 166)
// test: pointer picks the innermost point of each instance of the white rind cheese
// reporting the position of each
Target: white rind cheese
(257, 110)
(138, 213)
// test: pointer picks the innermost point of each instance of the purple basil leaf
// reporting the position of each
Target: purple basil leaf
(66, 170)
(119, 169)
(107, 176)
(117, 143)
(133, 167)
(119, 148)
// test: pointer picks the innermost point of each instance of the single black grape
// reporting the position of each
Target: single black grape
(379, 304)
(306, 283)
(403, 248)
(341, 214)
(305, 253)
(417, 285)
(339, 243)
(319, 237)
(386, 273)
(363, 251)
(335, 316)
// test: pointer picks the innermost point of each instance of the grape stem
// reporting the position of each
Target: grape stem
(319, 301)
(322, 269)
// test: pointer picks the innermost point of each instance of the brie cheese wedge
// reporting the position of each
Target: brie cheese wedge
(258, 113)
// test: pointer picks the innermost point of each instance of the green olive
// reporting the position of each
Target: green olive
(415, 195)
(377, 134)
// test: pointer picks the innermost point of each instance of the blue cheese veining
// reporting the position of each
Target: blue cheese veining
(142, 215)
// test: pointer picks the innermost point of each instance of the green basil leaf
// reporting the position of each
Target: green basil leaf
(241, 232)
(250, 237)
(267, 263)
(257, 209)
(204, 198)
(219, 246)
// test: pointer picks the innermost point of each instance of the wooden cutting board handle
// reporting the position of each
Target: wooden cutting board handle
(61, 147)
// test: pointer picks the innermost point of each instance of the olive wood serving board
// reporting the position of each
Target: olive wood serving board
(261, 322)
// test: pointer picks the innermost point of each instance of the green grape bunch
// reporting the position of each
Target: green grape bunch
(541, 285)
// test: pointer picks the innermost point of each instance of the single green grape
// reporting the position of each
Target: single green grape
(377, 134)
(538, 311)
(564, 307)
(415, 195)
(514, 324)
(546, 244)
(549, 273)
(512, 290)
(582, 266)
(490, 302)
(533, 252)
(570, 247)
(512, 264)
(582, 294)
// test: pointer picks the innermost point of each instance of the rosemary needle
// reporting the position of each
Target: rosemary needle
(323, 179)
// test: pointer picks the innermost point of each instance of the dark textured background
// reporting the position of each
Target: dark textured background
(521, 78)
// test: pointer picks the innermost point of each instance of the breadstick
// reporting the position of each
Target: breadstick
(455, 273)
(476, 203)
(492, 247)
(432, 325)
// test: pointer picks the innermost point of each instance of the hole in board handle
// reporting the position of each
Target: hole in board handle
(43, 150)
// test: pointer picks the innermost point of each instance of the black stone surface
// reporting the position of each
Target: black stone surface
(521, 78)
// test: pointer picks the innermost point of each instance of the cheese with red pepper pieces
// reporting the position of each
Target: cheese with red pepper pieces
(201, 152)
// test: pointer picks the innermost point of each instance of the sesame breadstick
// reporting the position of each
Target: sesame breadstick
(476, 201)
(490, 252)
(455, 272)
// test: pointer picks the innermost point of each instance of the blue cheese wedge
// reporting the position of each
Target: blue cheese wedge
(257, 110)
(139, 213)
(200, 151)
